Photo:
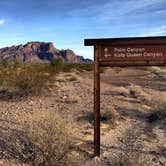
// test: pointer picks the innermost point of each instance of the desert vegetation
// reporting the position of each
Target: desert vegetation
(45, 139)
(158, 108)
(108, 116)
(46, 116)
(131, 159)
(18, 79)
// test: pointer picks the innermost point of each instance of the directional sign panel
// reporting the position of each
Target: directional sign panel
(133, 53)
(137, 55)
(137, 51)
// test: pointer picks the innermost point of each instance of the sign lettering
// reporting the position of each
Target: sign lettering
(133, 53)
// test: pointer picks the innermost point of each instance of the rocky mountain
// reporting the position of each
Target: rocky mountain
(40, 52)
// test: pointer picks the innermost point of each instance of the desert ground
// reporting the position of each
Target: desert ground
(133, 133)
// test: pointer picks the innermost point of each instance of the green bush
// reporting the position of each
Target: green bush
(57, 64)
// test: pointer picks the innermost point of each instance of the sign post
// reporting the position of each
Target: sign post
(96, 101)
(122, 52)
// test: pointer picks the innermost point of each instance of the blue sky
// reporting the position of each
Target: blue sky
(67, 23)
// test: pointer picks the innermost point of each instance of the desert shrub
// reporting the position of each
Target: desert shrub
(21, 79)
(25, 79)
(159, 71)
(131, 159)
(123, 91)
(78, 66)
(66, 77)
(60, 79)
(46, 139)
(72, 99)
(72, 78)
(108, 116)
(135, 90)
(83, 66)
(158, 108)
(31, 82)
(57, 64)
(4, 63)
(132, 90)
(11, 163)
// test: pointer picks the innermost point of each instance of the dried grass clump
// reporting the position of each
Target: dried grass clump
(123, 91)
(72, 78)
(158, 108)
(11, 163)
(160, 71)
(155, 69)
(72, 99)
(135, 90)
(108, 116)
(46, 139)
(66, 77)
(131, 159)
(60, 78)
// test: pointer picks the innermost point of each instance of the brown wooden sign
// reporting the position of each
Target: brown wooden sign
(120, 52)
(133, 53)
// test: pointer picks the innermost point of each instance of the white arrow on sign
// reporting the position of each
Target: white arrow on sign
(106, 54)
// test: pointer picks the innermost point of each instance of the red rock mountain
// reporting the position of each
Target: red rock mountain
(40, 52)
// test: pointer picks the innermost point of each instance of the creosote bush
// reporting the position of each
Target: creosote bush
(72, 78)
(72, 99)
(158, 108)
(108, 116)
(46, 139)
(131, 159)
(23, 79)
(123, 91)
(135, 90)
(59, 65)
(11, 163)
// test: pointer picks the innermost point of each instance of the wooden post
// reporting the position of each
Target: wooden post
(96, 101)
(151, 51)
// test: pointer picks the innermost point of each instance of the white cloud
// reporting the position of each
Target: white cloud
(118, 9)
(160, 11)
(2, 21)
(155, 31)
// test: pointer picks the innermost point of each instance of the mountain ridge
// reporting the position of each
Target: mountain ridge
(36, 51)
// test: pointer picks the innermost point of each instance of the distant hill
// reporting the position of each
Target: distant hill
(40, 52)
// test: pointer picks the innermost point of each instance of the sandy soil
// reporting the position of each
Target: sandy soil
(133, 136)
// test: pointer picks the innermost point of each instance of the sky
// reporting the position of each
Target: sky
(67, 23)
